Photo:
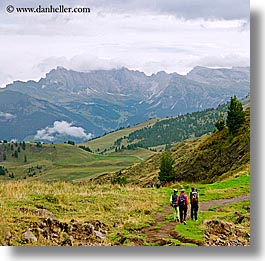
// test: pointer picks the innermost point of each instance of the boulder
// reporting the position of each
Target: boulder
(29, 236)
(43, 212)
(99, 235)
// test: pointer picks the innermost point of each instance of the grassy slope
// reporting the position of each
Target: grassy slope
(62, 162)
(124, 209)
(106, 142)
(205, 159)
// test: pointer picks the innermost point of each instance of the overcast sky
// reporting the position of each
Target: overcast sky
(147, 35)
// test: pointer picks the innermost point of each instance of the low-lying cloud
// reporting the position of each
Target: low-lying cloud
(61, 128)
(6, 116)
(82, 63)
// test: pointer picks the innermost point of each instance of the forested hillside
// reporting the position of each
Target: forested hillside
(205, 159)
(172, 130)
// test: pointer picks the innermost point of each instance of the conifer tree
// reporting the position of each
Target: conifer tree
(235, 115)
(23, 145)
(167, 172)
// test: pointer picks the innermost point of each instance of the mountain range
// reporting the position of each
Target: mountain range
(67, 104)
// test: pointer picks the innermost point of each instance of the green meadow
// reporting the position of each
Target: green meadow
(124, 209)
(49, 162)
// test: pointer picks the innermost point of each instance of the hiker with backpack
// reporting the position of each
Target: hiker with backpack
(183, 206)
(174, 204)
(194, 201)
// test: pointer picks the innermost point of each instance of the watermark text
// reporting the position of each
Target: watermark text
(49, 9)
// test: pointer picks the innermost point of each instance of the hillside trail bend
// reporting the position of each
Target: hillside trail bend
(159, 235)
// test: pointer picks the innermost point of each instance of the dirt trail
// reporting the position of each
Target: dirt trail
(159, 235)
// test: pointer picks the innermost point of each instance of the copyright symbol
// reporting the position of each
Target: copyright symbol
(10, 8)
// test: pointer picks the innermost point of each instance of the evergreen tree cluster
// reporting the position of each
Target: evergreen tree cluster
(86, 148)
(173, 130)
(11, 148)
(4, 171)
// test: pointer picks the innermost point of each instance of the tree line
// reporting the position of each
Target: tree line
(173, 130)
(235, 119)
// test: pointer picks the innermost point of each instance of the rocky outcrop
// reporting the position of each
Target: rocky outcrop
(51, 231)
(220, 233)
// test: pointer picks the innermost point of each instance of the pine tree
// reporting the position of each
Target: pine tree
(2, 170)
(16, 154)
(23, 145)
(167, 172)
(235, 115)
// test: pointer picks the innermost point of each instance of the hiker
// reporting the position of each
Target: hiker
(194, 204)
(174, 204)
(183, 206)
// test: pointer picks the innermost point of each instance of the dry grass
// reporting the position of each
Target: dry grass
(116, 206)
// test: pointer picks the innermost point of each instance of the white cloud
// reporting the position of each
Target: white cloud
(83, 63)
(229, 60)
(145, 35)
(62, 128)
(6, 116)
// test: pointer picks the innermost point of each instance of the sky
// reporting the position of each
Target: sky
(145, 35)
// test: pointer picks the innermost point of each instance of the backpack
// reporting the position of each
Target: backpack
(194, 197)
(174, 198)
(182, 200)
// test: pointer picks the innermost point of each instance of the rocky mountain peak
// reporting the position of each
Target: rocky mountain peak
(205, 74)
(110, 99)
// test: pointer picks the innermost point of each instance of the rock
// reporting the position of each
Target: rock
(99, 234)
(68, 241)
(161, 242)
(49, 221)
(46, 233)
(8, 235)
(43, 212)
(88, 227)
(68, 233)
(38, 231)
(29, 236)
(92, 228)
(220, 233)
